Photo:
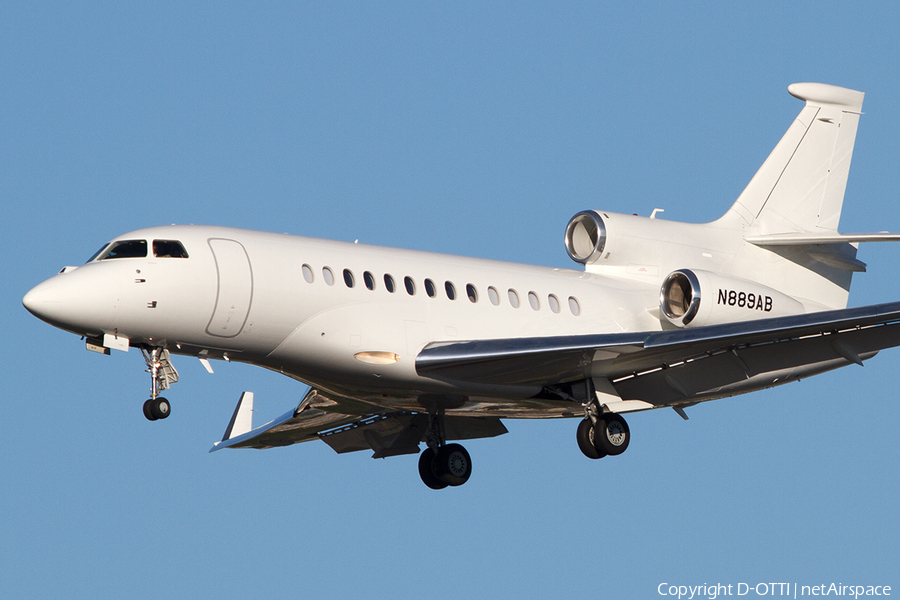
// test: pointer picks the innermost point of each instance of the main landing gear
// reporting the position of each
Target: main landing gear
(602, 434)
(441, 464)
(162, 375)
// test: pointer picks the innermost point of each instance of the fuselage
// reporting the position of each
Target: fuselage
(345, 317)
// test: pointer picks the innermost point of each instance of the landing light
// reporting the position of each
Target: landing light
(377, 358)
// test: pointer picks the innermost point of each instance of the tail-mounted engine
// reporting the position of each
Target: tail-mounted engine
(693, 298)
(629, 245)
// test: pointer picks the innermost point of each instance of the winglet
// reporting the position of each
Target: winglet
(242, 419)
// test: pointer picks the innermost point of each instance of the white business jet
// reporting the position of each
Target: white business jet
(402, 347)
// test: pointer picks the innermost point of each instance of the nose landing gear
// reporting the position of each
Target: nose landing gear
(157, 408)
(162, 376)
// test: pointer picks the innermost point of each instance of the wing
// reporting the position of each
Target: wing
(636, 371)
(676, 367)
(347, 425)
(316, 412)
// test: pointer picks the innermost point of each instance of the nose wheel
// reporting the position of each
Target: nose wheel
(157, 408)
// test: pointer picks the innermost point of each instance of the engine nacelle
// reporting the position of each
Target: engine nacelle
(607, 240)
(694, 298)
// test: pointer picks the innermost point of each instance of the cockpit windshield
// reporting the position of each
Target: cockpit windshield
(126, 249)
(168, 249)
(138, 249)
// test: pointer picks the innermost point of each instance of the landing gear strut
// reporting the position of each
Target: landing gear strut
(441, 464)
(162, 375)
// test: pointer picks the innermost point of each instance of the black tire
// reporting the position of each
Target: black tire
(614, 434)
(585, 437)
(426, 470)
(453, 465)
(160, 408)
(147, 410)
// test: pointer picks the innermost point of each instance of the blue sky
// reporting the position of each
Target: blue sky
(476, 129)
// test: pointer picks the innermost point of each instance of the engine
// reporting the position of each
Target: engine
(691, 297)
(610, 242)
(645, 249)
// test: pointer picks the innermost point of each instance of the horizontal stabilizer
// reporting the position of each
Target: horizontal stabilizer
(838, 261)
(804, 239)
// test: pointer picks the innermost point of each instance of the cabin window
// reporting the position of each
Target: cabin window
(553, 301)
(494, 296)
(369, 279)
(574, 306)
(308, 274)
(410, 285)
(430, 289)
(513, 298)
(168, 249)
(534, 301)
(348, 278)
(126, 249)
(389, 283)
(471, 292)
(328, 275)
(450, 289)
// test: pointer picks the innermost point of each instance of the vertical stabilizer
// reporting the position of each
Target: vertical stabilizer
(800, 187)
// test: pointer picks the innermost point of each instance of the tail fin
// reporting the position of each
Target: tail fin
(788, 214)
(800, 187)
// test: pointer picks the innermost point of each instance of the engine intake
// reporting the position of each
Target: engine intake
(585, 237)
(679, 297)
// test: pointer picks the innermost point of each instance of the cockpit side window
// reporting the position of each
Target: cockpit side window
(168, 249)
(97, 253)
(126, 249)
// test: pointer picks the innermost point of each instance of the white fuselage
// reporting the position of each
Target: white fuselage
(283, 302)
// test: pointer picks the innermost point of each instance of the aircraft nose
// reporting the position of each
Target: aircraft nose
(37, 297)
(84, 301)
